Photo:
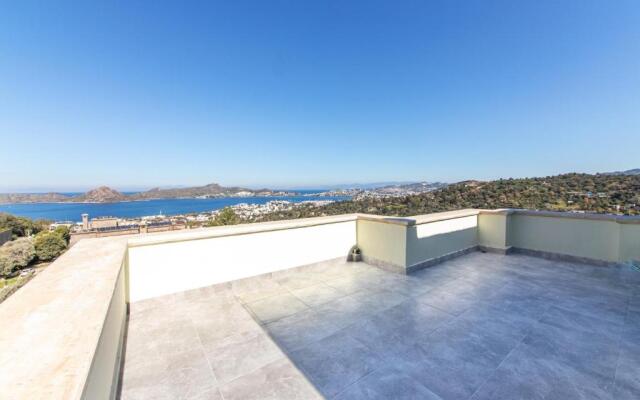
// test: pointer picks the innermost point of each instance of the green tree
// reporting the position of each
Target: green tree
(226, 216)
(15, 255)
(64, 233)
(21, 226)
(49, 245)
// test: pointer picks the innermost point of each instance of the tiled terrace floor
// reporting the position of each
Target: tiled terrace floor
(481, 326)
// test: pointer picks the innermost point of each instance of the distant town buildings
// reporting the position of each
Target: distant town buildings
(113, 226)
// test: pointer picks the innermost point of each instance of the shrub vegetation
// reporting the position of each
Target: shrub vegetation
(21, 226)
(64, 233)
(49, 245)
(226, 216)
(15, 255)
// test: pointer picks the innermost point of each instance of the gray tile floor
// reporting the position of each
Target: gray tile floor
(481, 326)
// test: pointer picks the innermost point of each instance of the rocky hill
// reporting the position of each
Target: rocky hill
(103, 194)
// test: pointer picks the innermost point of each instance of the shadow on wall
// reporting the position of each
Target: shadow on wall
(428, 241)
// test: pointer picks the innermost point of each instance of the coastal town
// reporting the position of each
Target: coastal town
(111, 225)
(102, 226)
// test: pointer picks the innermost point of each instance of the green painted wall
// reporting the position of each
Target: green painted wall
(437, 239)
(596, 239)
(383, 241)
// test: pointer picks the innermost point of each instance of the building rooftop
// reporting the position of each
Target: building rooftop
(470, 304)
(480, 326)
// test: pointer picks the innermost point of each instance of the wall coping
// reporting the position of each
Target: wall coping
(420, 219)
(52, 325)
(234, 230)
(443, 216)
(621, 219)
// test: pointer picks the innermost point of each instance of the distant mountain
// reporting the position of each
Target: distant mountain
(635, 171)
(210, 190)
(33, 197)
(104, 194)
(363, 186)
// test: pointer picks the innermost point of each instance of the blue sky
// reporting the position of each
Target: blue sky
(300, 93)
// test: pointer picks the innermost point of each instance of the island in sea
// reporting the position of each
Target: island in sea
(105, 194)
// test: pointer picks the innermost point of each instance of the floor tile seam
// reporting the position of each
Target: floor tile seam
(355, 382)
(338, 330)
(297, 298)
(280, 357)
(520, 343)
(615, 374)
(204, 353)
(338, 276)
(312, 307)
(264, 328)
(240, 300)
(606, 321)
(283, 357)
(302, 370)
(264, 323)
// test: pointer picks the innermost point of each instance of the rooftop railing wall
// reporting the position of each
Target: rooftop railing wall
(165, 264)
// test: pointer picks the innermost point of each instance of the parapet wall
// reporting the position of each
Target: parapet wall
(170, 263)
(406, 244)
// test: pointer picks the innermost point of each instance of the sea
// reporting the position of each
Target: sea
(133, 209)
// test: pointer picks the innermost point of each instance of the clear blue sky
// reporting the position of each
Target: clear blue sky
(292, 93)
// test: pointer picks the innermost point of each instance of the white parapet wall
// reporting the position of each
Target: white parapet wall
(174, 262)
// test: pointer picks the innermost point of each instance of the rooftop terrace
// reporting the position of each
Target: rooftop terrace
(471, 304)
(481, 326)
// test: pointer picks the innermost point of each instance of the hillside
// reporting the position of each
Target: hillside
(210, 190)
(600, 193)
(635, 171)
(6, 198)
(419, 187)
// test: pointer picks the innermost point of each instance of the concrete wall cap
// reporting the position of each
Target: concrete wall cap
(622, 219)
(443, 216)
(405, 221)
(54, 323)
(233, 230)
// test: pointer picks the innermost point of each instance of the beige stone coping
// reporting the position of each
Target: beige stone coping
(234, 230)
(51, 327)
(405, 221)
(420, 219)
(443, 216)
(621, 219)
